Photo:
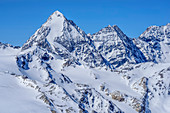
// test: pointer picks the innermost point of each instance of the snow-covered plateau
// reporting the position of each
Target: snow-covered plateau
(61, 69)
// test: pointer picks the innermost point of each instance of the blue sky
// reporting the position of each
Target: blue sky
(21, 18)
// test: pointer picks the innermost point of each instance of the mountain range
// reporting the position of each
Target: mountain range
(61, 69)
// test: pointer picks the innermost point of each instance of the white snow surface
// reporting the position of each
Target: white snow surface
(15, 97)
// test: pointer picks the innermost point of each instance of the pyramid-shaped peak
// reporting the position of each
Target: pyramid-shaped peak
(117, 29)
(112, 26)
(88, 34)
(58, 13)
(109, 29)
(109, 26)
(57, 29)
(115, 26)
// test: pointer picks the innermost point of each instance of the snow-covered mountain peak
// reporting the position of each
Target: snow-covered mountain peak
(58, 13)
(158, 33)
(6, 45)
(155, 43)
(109, 26)
(117, 48)
(104, 31)
(56, 18)
(115, 26)
(7, 49)
(89, 34)
(57, 31)
(168, 24)
(111, 32)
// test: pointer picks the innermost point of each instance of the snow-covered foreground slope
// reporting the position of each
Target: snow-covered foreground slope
(18, 97)
(153, 82)
(60, 69)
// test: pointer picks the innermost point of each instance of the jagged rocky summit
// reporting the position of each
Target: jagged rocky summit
(61, 69)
